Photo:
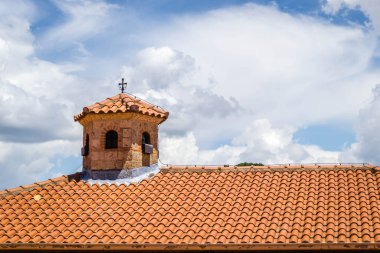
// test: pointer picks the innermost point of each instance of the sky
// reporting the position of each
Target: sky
(245, 81)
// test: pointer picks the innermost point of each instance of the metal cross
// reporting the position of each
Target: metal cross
(122, 85)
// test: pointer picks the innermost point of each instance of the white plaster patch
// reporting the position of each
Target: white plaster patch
(136, 176)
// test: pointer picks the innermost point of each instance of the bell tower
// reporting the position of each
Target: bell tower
(119, 133)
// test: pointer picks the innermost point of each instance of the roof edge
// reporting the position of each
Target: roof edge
(264, 168)
(81, 115)
(160, 112)
(29, 187)
(171, 246)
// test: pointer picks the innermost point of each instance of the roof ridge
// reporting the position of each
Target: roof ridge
(138, 99)
(42, 184)
(272, 168)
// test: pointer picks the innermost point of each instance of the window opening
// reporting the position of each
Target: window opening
(111, 139)
(147, 148)
(86, 148)
(145, 138)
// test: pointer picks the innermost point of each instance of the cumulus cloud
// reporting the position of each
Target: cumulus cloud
(27, 118)
(169, 78)
(252, 52)
(84, 19)
(23, 163)
(260, 142)
(32, 91)
(367, 146)
(17, 8)
(309, 74)
(184, 150)
(267, 144)
(238, 82)
(35, 103)
(370, 7)
(179, 149)
(241, 92)
(159, 68)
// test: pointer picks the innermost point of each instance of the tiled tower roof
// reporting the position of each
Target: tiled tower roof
(123, 102)
(259, 207)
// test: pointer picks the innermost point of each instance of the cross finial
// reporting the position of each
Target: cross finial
(122, 85)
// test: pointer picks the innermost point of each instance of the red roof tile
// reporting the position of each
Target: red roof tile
(258, 207)
(123, 102)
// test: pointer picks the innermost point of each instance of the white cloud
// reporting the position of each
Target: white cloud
(158, 68)
(23, 163)
(17, 8)
(260, 142)
(178, 150)
(281, 67)
(370, 7)
(32, 91)
(170, 79)
(367, 147)
(84, 19)
(35, 103)
(290, 71)
(238, 83)
(267, 144)
(183, 150)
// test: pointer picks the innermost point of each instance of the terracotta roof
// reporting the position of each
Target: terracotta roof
(259, 207)
(123, 102)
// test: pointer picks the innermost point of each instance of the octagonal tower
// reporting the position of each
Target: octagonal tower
(119, 133)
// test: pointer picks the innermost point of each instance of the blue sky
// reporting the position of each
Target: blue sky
(261, 81)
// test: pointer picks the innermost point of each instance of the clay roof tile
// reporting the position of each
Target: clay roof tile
(200, 205)
(123, 102)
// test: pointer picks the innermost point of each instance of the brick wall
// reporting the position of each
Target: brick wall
(128, 154)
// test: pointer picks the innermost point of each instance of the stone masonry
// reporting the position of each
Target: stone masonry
(129, 126)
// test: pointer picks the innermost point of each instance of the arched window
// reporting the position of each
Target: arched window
(147, 148)
(145, 138)
(86, 147)
(111, 139)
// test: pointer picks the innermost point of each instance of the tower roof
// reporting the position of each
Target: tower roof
(123, 102)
